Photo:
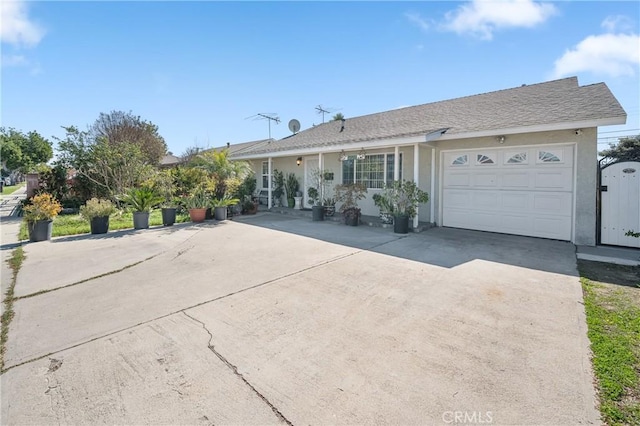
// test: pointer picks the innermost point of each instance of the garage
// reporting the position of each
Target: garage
(527, 190)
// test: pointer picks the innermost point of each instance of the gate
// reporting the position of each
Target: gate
(619, 202)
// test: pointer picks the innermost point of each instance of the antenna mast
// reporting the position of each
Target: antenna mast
(322, 111)
(270, 116)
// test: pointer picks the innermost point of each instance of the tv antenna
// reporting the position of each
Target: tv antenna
(324, 111)
(270, 116)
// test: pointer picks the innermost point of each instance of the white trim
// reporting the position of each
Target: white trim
(416, 176)
(575, 192)
(269, 201)
(535, 129)
(396, 164)
(351, 146)
(432, 211)
(427, 137)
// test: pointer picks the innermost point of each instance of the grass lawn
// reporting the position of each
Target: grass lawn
(612, 304)
(6, 190)
(74, 224)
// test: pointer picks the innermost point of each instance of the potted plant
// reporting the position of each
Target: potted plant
(293, 187)
(164, 185)
(405, 197)
(278, 187)
(220, 206)
(317, 210)
(142, 200)
(349, 194)
(97, 211)
(386, 207)
(329, 206)
(197, 203)
(39, 214)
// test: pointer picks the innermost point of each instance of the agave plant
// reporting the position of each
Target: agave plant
(142, 199)
(225, 201)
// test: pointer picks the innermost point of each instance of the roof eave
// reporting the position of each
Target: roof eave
(567, 125)
(351, 146)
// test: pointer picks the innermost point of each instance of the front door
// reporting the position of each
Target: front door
(620, 208)
(310, 166)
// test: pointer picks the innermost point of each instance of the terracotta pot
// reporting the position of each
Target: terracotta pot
(197, 215)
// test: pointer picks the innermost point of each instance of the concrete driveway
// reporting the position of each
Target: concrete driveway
(272, 319)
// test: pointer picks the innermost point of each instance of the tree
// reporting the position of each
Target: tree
(110, 168)
(339, 116)
(627, 149)
(23, 152)
(226, 174)
(120, 127)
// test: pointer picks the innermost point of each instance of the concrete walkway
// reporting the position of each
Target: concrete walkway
(9, 229)
(267, 320)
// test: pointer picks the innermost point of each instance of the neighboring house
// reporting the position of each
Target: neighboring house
(169, 161)
(518, 161)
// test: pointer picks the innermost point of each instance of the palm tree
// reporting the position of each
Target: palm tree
(225, 173)
(339, 116)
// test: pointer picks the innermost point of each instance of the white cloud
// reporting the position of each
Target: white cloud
(617, 23)
(608, 54)
(418, 20)
(482, 18)
(17, 29)
(14, 61)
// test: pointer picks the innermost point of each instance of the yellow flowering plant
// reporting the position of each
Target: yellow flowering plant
(42, 207)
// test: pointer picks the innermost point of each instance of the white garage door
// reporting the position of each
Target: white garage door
(518, 190)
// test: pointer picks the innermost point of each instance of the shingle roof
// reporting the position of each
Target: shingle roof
(549, 103)
(240, 148)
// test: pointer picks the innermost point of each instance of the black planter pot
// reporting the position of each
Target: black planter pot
(317, 213)
(209, 214)
(401, 224)
(220, 213)
(291, 202)
(168, 216)
(99, 224)
(352, 217)
(140, 220)
(40, 230)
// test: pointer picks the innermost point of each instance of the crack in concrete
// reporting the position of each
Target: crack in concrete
(215, 299)
(233, 368)
(105, 274)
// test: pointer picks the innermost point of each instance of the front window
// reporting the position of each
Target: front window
(373, 171)
(265, 174)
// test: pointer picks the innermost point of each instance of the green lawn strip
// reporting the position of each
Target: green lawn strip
(15, 262)
(74, 224)
(613, 319)
(6, 190)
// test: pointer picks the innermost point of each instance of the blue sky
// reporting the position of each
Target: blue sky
(199, 69)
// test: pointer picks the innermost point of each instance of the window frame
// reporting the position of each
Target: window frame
(356, 176)
(265, 174)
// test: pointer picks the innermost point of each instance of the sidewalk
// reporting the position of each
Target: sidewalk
(9, 228)
(610, 254)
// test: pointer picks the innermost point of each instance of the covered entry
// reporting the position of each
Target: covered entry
(527, 190)
(620, 203)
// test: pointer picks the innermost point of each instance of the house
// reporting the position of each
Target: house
(519, 161)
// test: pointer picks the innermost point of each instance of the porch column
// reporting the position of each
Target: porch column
(432, 209)
(321, 177)
(396, 163)
(269, 201)
(416, 176)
